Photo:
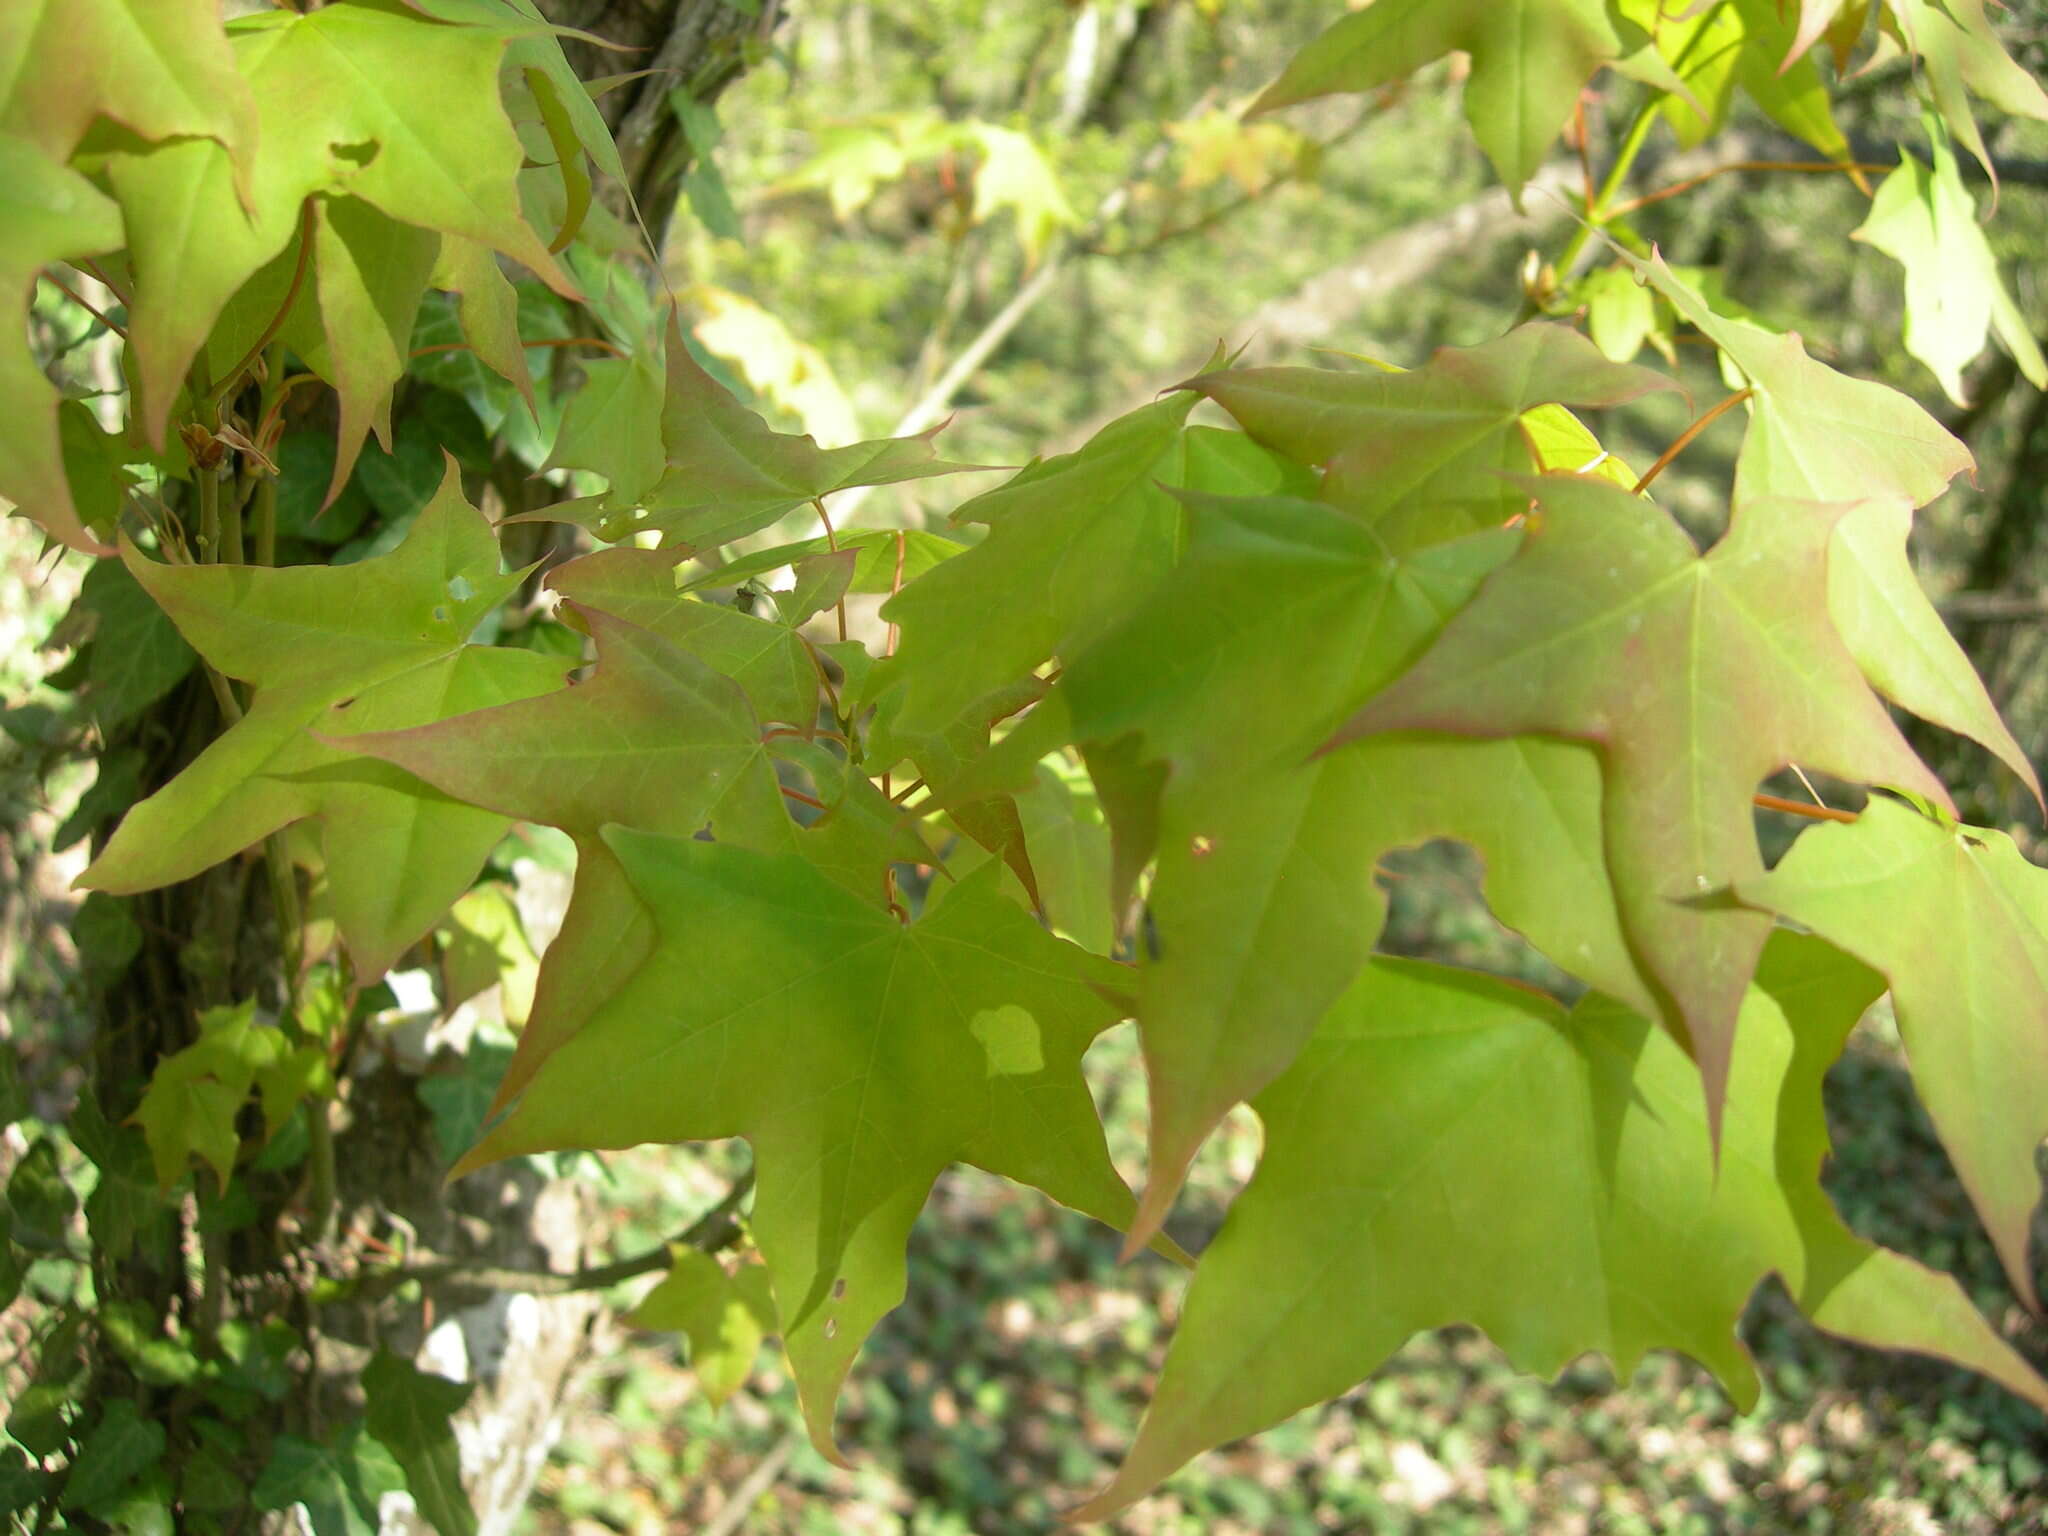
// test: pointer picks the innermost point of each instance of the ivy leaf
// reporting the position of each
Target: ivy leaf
(386, 633)
(120, 1448)
(48, 212)
(1422, 453)
(1891, 890)
(162, 71)
(1456, 1149)
(655, 739)
(1071, 541)
(137, 653)
(1817, 434)
(195, 1095)
(339, 1483)
(1530, 60)
(1696, 677)
(724, 1315)
(1924, 220)
(729, 474)
(899, 1050)
(409, 1411)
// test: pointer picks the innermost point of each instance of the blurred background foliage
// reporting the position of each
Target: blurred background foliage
(1032, 216)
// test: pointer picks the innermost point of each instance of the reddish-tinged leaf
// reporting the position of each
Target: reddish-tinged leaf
(1697, 677)
(1957, 919)
(1422, 453)
(1820, 435)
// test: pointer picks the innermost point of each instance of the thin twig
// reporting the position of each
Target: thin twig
(1685, 438)
(90, 308)
(732, 1515)
(1811, 167)
(717, 1229)
(1801, 808)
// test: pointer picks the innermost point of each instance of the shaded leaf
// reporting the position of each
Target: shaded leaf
(409, 1412)
(119, 1449)
(339, 1482)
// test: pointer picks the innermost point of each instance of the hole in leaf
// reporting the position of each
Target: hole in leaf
(355, 154)
(440, 615)
(831, 1327)
(1201, 845)
(460, 589)
(839, 1289)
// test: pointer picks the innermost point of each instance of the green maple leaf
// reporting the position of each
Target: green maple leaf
(1530, 60)
(727, 473)
(1751, 43)
(656, 739)
(1014, 175)
(1263, 904)
(1924, 220)
(1820, 435)
(48, 212)
(1072, 540)
(1422, 453)
(1961, 55)
(724, 1315)
(1455, 1149)
(160, 70)
(770, 661)
(898, 1050)
(398, 111)
(1957, 919)
(1696, 677)
(387, 633)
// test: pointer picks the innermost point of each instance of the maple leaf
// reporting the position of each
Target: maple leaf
(1924, 220)
(1422, 453)
(1456, 1149)
(1960, 54)
(728, 473)
(655, 739)
(161, 70)
(357, 101)
(386, 633)
(1530, 60)
(1697, 677)
(1072, 542)
(1263, 906)
(1957, 919)
(1819, 435)
(898, 1050)
(1751, 43)
(48, 212)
